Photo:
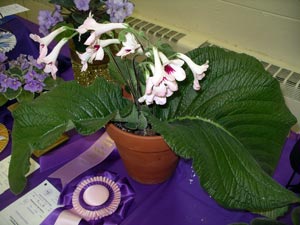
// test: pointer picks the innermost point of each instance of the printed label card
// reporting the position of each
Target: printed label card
(33, 207)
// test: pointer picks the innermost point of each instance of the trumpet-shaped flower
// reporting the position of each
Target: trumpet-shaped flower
(129, 46)
(158, 70)
(160, 85)
(98, 28)
(173, 68)
(95, 52)
(50, 60)
(45, 41)
(158, 94)
(197, 70)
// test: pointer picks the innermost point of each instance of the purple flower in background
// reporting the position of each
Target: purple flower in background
(82, 4)
(20, 62)
(2, 60)
(3, 57)
(34, 86)
(9, 82)
(2, 89)
(3, 80)
(13, 83)
(119, 10)
(47, 19)
(30, 75)
(3, 85)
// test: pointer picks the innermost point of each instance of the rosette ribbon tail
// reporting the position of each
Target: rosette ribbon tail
(96, 154)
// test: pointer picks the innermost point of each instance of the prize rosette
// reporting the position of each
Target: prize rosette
(3, 137)
(100, 199)
(7, 41)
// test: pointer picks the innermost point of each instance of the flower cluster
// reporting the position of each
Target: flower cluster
(21, 78)
(76, 11)
(160, 69)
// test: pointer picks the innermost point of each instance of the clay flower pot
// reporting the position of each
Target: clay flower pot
(147, 159)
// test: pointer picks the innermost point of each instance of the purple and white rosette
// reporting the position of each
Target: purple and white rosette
(94, 199)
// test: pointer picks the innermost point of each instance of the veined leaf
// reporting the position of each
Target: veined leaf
(238, 94)
(48, 116)
(226, 169)
(234, 126)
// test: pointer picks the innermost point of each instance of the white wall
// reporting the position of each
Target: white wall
(265, 27)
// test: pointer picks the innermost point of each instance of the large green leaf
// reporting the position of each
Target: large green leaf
(248, 122)
(226, 169)
(41, 122)
(238, 94)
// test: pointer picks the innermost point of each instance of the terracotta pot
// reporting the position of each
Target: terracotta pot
(147, 159)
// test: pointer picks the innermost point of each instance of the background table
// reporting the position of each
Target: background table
(179, 201)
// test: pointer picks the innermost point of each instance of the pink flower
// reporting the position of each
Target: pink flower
(197, 70)
(45, 41)
(50, 60)
(129, 46)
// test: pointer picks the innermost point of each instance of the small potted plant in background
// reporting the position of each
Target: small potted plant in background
(217, 107)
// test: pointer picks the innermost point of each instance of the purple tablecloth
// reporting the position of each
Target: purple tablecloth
(179, 201)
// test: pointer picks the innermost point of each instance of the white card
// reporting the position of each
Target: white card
(12, 9)
(4, 164)
(33, 207)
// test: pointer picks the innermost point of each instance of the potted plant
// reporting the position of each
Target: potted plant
(233, 126)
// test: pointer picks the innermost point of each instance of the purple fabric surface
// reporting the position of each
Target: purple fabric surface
(179, 201)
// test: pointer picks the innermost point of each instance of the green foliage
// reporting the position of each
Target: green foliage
(296, 216)
(263, 221)
(233, 128)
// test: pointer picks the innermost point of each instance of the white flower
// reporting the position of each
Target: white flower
(129, 46)
(45, 41)
(97, 28)
(197, 70)
(173, 68)
(95, 52)
(50, 60)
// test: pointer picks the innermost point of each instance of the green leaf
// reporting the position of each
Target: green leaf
(64, 3)
(226, 169)
(11, 94)
(48, 116)
(274, 213)
(25, 96)
(238, 94)
(296, 216)
(50, 83)
(238, 224)
(15, 71)
(263, 221)
(3, 100)
(239, 125)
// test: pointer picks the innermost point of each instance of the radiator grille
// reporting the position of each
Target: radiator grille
(289, 80)
(155, 30)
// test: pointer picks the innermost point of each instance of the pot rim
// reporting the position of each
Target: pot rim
(115, 128)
